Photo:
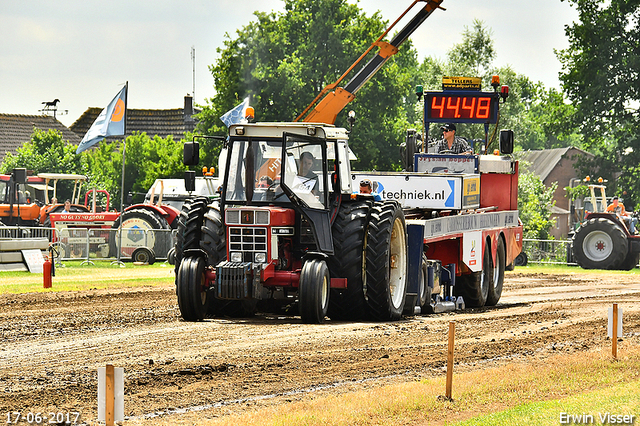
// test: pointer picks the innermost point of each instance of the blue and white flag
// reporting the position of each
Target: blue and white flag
(236, 115)
(110, 122)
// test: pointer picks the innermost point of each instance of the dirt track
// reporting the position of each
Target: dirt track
(52, 345)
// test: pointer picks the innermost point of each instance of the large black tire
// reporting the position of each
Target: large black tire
(495, 289)
(521, 260)
(349, 232)
(314, 291)
(631, 261)
(193, 299)
(145, 220)
(189, 230)
(424, 295)
(474, 287)
(600, 244)
(386, 262)
(213, 242)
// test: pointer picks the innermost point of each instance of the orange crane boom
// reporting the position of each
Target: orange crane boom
(328, 105)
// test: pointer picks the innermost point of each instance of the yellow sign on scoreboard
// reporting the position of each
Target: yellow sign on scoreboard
(461, 83)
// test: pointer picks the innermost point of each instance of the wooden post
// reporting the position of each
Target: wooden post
(452, 330)
(109, 413)
(614, 332)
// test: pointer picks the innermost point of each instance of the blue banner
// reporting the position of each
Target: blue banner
(110, 122)
(236, 115)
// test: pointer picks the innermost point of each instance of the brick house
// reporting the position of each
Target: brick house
(556, 165)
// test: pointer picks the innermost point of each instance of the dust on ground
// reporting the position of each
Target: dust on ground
(53, 344)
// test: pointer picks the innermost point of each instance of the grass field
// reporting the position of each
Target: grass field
(76, 277)
(103, 274)
(535, 393)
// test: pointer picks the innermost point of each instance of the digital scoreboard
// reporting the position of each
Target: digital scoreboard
(458, 106)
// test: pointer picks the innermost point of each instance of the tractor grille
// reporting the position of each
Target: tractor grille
(248, 241)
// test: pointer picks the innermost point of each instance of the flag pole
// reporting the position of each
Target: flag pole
(124, 148)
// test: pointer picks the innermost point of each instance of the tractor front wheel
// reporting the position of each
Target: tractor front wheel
(193, 298)
(314, 291)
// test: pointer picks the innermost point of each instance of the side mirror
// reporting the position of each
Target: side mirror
(506, 141)
(20, 175)
(190, 180)
(191, 153)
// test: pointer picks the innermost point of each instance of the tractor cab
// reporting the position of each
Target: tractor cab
(291, 174)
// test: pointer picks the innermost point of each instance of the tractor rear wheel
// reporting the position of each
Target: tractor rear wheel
(474, 287)
(349, 234)
(386, 262)
(189, 228)
(495, 289)
(193, 298)
(631, 261)
(600, 244)
(314, 291)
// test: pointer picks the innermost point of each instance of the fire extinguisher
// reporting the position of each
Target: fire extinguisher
(46, 272)
(48, 269)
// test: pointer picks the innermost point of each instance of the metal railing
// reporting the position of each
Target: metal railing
(548, 251)
(91, 244)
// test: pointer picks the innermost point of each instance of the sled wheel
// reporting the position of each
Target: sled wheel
(495, 287)
(474, 287)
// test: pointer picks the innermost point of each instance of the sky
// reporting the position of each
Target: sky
(83, 52)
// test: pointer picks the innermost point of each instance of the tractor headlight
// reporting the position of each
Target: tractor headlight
(261, 257)
(236, 256)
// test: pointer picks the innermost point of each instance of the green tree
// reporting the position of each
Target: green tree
(535, 201)
(46, 152)
(146, 159)
(601, 69)
(282, 61)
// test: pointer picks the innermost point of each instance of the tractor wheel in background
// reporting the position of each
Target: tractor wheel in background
(314, 291)
(193, 299)
(522, 259)
(474, 287)
(143, 255)
(189, 230)
(349, 233)
(139, 226)
(495, 289)
(386, 262)
(213, 242)
(600, 244)
(631, 261)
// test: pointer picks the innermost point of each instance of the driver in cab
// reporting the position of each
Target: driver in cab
(450, 143)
